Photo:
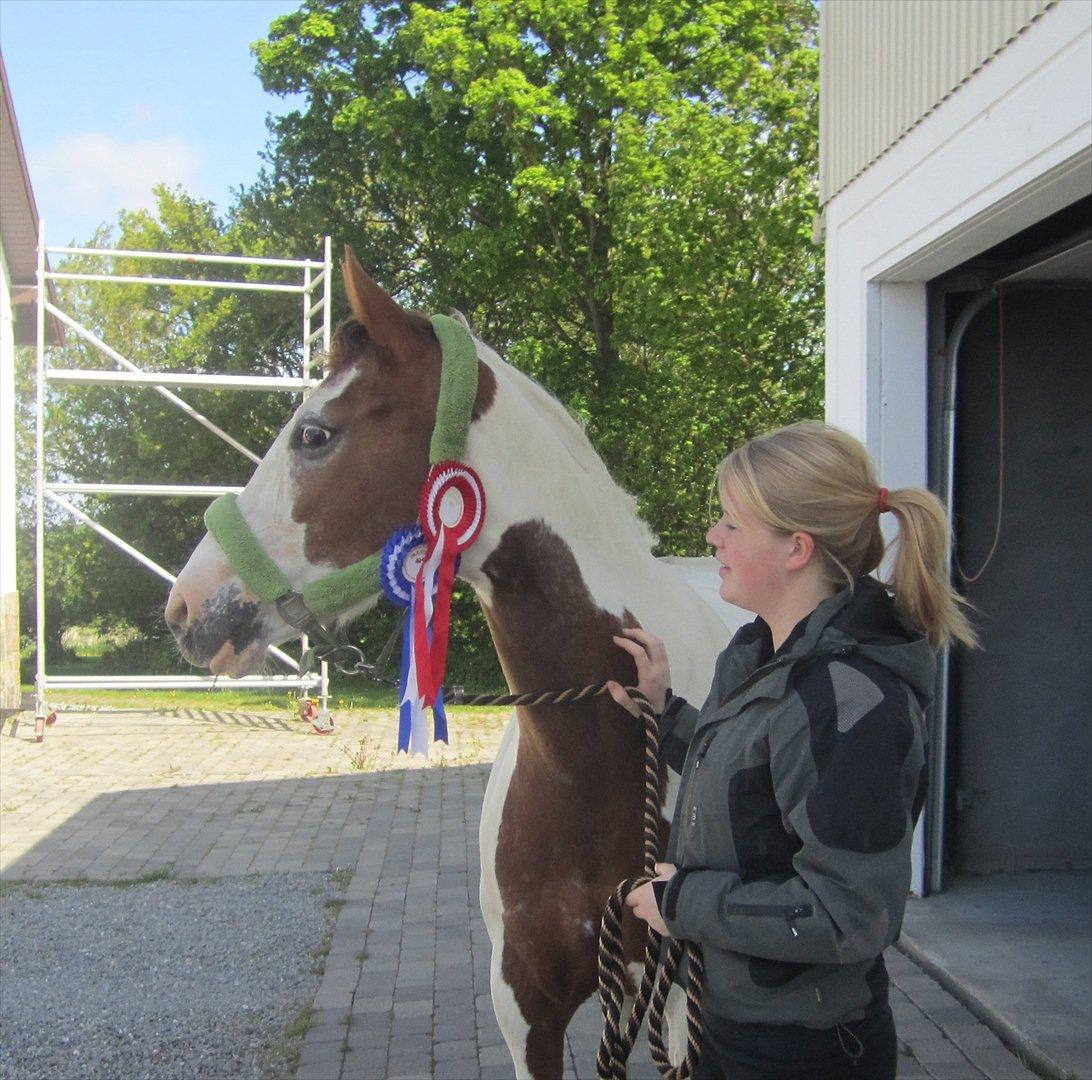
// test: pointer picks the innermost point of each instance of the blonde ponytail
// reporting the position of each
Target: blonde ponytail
(922, 592)
(814, 478)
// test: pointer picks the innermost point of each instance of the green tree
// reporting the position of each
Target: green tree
(619, 194)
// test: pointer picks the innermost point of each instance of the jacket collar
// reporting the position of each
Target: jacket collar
(860, 619)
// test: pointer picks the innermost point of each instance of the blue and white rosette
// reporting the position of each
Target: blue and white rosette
(402, 563)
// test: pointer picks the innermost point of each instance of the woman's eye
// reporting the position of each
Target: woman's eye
(312, 436)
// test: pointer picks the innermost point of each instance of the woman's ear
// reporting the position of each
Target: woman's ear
(802, 551)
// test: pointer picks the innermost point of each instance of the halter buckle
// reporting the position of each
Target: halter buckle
(294, 610)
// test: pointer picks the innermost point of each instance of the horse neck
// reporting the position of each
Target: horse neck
(563, 561)
(538, 467)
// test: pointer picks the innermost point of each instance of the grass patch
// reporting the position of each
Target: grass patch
(225, 700)
(162, 873)
(300, 1026)
(357, 696)
(10, 888)
(365, 756)
(289, 1050)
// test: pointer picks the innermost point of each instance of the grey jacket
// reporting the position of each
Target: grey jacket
(802, 777)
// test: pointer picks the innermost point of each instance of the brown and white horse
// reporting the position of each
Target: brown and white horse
(562, 563)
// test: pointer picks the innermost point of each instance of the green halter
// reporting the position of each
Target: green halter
(341, 589)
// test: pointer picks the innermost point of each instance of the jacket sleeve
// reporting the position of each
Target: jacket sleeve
(847, 762)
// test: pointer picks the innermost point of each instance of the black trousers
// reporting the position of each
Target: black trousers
(864, 1050)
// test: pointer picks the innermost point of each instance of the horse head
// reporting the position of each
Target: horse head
(343, 474)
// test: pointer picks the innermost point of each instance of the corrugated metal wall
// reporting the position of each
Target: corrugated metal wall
(886, 64)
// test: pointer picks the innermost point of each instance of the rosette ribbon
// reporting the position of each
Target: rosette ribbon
(400, 568)
(452, 512)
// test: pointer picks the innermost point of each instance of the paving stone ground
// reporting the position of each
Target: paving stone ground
(405, 991)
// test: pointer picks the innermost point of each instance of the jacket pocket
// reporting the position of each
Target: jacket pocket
(773, 974)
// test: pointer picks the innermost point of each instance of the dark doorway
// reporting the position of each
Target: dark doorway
(1020, 736)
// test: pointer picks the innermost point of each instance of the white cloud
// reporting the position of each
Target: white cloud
(97, 174)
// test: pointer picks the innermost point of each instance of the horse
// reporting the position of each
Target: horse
(562, 563)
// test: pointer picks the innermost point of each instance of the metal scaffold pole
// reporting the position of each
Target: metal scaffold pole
(39, 500)
(131, 374)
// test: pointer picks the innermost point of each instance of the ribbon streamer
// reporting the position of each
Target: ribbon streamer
(424, 601)
(417, 570)
(402, 578)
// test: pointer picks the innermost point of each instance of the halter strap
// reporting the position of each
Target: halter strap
(341, 589)
(458, 389)
(259, 572)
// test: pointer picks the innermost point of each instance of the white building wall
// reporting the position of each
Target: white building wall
(886, 64)
(1011, 147)
(9, 597)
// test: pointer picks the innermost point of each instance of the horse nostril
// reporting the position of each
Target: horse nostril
(177, 613)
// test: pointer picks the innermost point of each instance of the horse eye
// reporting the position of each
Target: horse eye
(314, 436)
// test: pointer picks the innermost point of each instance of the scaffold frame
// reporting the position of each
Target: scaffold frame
(314, 289)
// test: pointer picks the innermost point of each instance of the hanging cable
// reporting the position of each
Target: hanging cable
(970, 578)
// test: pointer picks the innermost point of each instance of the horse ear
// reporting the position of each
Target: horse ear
(385, 321)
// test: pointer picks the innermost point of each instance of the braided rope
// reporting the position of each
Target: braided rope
(656, 977)
(455, 695)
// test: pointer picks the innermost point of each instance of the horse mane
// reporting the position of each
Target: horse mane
(571, 434)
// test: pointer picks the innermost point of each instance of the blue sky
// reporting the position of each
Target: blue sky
(113, 96)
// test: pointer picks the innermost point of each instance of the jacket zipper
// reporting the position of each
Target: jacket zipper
(838, 650)
(702, 752)
(788, 912)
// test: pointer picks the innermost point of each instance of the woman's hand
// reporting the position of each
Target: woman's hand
(643, 900)
(653, 671)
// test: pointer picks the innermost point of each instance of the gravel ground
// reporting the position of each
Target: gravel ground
(162, 979)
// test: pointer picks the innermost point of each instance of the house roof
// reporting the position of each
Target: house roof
(19, 223)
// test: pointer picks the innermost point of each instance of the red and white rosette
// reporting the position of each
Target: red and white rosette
(452, 514)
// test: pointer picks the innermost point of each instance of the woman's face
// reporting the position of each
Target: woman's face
(751, 556)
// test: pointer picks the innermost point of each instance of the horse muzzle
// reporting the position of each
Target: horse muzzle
(225, 632)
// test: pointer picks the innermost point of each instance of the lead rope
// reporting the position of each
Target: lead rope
(656, 978)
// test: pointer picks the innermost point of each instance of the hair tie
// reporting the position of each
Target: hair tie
(881, 500)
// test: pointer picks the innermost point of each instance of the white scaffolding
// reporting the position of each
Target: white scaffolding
(315, 281)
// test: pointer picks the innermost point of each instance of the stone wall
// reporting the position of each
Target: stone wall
(9, 651)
